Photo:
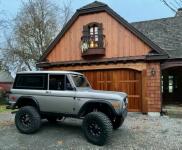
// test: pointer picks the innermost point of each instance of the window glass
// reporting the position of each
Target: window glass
(31, 81)
(162, 84)
(94, 37)
(59, 82)
(96, 30)
(80, 81)
(171, 83)
(91, 31)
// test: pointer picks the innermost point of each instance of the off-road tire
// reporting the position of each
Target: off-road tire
(27, 120)
(117, 122)
(103, 124)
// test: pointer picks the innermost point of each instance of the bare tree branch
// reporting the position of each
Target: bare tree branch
(173, 5)
(168, 5)
(35, 26)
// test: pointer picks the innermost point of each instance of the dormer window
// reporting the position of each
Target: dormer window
(92, 40)
(94, 36)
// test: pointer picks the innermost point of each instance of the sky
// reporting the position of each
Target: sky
(131, 10)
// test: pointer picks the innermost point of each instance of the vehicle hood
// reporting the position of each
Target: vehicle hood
(99, 94)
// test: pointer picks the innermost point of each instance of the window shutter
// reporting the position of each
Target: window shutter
(100, 32)
(85, 31)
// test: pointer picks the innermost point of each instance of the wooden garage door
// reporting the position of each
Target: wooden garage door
(126, 80)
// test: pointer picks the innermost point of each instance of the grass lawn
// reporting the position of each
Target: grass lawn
(3, 109)
(3, 106)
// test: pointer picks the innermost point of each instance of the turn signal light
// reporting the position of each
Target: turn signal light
(13, 98)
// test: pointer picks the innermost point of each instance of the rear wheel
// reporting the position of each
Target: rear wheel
(27, 120)
(97, 128)
(117, 122)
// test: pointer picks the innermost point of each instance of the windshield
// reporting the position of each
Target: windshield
(80, 81)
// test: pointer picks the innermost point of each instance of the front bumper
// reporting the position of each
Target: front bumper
(122, 113)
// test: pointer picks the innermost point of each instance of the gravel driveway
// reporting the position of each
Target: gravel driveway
(138, 132)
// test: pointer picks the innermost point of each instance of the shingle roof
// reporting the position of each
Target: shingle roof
(5, 77)
(93, 5)
(166, 33)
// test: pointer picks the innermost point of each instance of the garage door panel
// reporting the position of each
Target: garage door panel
(123, 80)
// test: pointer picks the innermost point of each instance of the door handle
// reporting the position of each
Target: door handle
(48, 92)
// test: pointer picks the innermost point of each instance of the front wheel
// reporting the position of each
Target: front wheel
(97, 128)
(27, 120)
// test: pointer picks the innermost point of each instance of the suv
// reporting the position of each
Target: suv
(53, 95)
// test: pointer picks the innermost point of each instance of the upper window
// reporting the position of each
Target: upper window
(31, 81)
(92, 36)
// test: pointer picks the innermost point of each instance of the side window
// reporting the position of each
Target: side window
(31, 81)
(171, 84)
(59, 82)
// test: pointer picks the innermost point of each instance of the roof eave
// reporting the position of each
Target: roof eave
(104, 61)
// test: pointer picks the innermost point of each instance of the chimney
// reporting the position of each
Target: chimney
(179, 12)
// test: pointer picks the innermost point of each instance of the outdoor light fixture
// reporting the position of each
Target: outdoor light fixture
(152, 72)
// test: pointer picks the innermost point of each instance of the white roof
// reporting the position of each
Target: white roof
(49, 72)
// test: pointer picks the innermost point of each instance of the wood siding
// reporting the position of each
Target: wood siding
(124, 80)
(119, 41)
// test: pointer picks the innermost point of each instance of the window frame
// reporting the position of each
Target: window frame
(95, 39)
(93, 35)
(65, 77)
(19, 76)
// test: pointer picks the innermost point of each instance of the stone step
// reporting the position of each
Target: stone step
(173, 111)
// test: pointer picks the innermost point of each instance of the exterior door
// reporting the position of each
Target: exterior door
(122, 80)
(59, 99)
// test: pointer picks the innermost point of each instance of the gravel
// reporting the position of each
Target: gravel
(138, 132)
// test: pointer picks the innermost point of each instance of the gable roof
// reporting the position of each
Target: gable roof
(165, 32)
(96, 7)
(5, 77)
(93, 5)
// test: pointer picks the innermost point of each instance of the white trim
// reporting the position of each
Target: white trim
(49, 72)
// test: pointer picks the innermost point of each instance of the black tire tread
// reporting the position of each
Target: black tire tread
(107, 125)
(35, 115)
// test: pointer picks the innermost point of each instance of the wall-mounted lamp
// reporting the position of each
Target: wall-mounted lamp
(152, 72)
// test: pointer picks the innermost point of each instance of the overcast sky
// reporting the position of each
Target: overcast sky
(131, 10)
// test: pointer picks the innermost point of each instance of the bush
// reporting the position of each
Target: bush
(2, 92)
(2, 96)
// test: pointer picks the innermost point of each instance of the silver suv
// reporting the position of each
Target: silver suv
(53, 95)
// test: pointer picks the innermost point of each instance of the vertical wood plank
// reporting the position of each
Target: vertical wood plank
(119, 41)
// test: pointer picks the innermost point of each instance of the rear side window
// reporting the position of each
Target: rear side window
(31, 81)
